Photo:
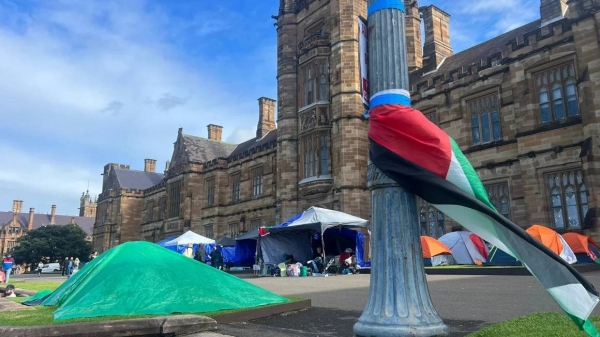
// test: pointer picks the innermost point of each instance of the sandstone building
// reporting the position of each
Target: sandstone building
(15, 224)
(521, 106)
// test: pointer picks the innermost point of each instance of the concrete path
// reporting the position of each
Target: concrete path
(6, 305)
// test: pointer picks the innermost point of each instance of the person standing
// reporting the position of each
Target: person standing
(216, 259)
(189, 251)
(201, 253)
(39, 268)
(65, 267)
(70, 267)
(7, 266)
(76, 264)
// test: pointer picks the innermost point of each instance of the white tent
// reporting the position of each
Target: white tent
(294, 238)
(320, 219)
(463, 249)
(189, 237)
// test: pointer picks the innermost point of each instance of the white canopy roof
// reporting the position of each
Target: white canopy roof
(189, 237)
(321, 218)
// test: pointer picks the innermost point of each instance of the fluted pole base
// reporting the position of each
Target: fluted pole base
(399, 302)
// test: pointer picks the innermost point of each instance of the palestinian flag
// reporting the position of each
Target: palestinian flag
(424, 160)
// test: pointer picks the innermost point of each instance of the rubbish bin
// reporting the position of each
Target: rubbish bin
(303, 271)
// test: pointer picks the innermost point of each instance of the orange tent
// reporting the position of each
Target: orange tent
(582, 244)
(554, 241)
(432, 247)
(547, 236)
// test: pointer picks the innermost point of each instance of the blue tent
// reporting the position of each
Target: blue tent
(498, 257)
(162, 242)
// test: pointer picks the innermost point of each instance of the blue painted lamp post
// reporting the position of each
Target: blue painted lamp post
(399, 302)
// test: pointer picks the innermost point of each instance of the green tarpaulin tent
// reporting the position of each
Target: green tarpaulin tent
(141, 278)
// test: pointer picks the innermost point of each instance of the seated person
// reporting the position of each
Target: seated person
(10, 291)
(345, 256)
(316, 263)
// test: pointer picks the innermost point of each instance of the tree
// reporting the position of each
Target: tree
(53, 243)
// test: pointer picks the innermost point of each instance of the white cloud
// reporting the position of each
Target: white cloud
(105, 81)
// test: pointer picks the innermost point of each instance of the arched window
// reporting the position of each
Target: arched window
(557, 102)
(560, 101)
(545, 113)
(499, 197)
(571, 96)
(485, 119)
(568, 198)
(323, 85)
(431, 220)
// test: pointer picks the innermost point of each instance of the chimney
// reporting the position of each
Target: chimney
(53, 215)
(72, 220)
(150, 165)
(266, 116)
(551, 10)
(437, 37)
(414, 45)
(30, 222)
(214, 132)
(15, 206)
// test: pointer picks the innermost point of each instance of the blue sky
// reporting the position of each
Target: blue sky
(85, 83)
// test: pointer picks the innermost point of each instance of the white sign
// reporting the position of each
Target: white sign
(363, 60)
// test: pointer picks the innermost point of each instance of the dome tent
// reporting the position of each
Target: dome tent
(466, 247)
(554, 241)
(435, 253)
(585, 248)
(131, 279)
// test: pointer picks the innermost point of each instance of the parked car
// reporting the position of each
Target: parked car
(51, 267)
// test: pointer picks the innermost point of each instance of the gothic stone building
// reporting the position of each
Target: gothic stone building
(15, 224)
(522, 106)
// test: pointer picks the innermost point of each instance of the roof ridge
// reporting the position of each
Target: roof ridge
(210, 140)
(494, 38)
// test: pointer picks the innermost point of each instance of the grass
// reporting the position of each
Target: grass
(536, 325)
(34, 285)
(40, 315)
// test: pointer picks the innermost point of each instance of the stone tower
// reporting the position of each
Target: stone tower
(322, 135)
(87, 207)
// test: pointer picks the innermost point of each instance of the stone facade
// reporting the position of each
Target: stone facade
(87, 207)
(522, 107)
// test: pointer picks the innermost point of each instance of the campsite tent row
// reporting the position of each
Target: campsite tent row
(468, 248)
(333, 230)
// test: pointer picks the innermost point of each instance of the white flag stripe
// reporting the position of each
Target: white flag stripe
(544, 268)
(457, 176)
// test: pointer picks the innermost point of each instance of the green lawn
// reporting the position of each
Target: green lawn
(34, 285)
(40, 315)
(536, 325)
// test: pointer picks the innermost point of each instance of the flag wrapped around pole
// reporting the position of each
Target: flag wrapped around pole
(424, 160)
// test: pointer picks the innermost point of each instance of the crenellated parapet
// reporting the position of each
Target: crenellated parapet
(499, 53)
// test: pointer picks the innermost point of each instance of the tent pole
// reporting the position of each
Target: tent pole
(323, 248)
(399, 302)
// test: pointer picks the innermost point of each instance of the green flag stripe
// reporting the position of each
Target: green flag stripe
(471, 176)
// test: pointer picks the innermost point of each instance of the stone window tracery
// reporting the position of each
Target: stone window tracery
(499, 197)
(557, 94)
(210, 191)
(431, 220)
(485, 119)
(315, 157)
(235, 187)
(568, 198)
(257, 180)
(315, 82)
(175, 198)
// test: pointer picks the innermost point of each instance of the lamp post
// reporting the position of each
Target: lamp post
(399, 302)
